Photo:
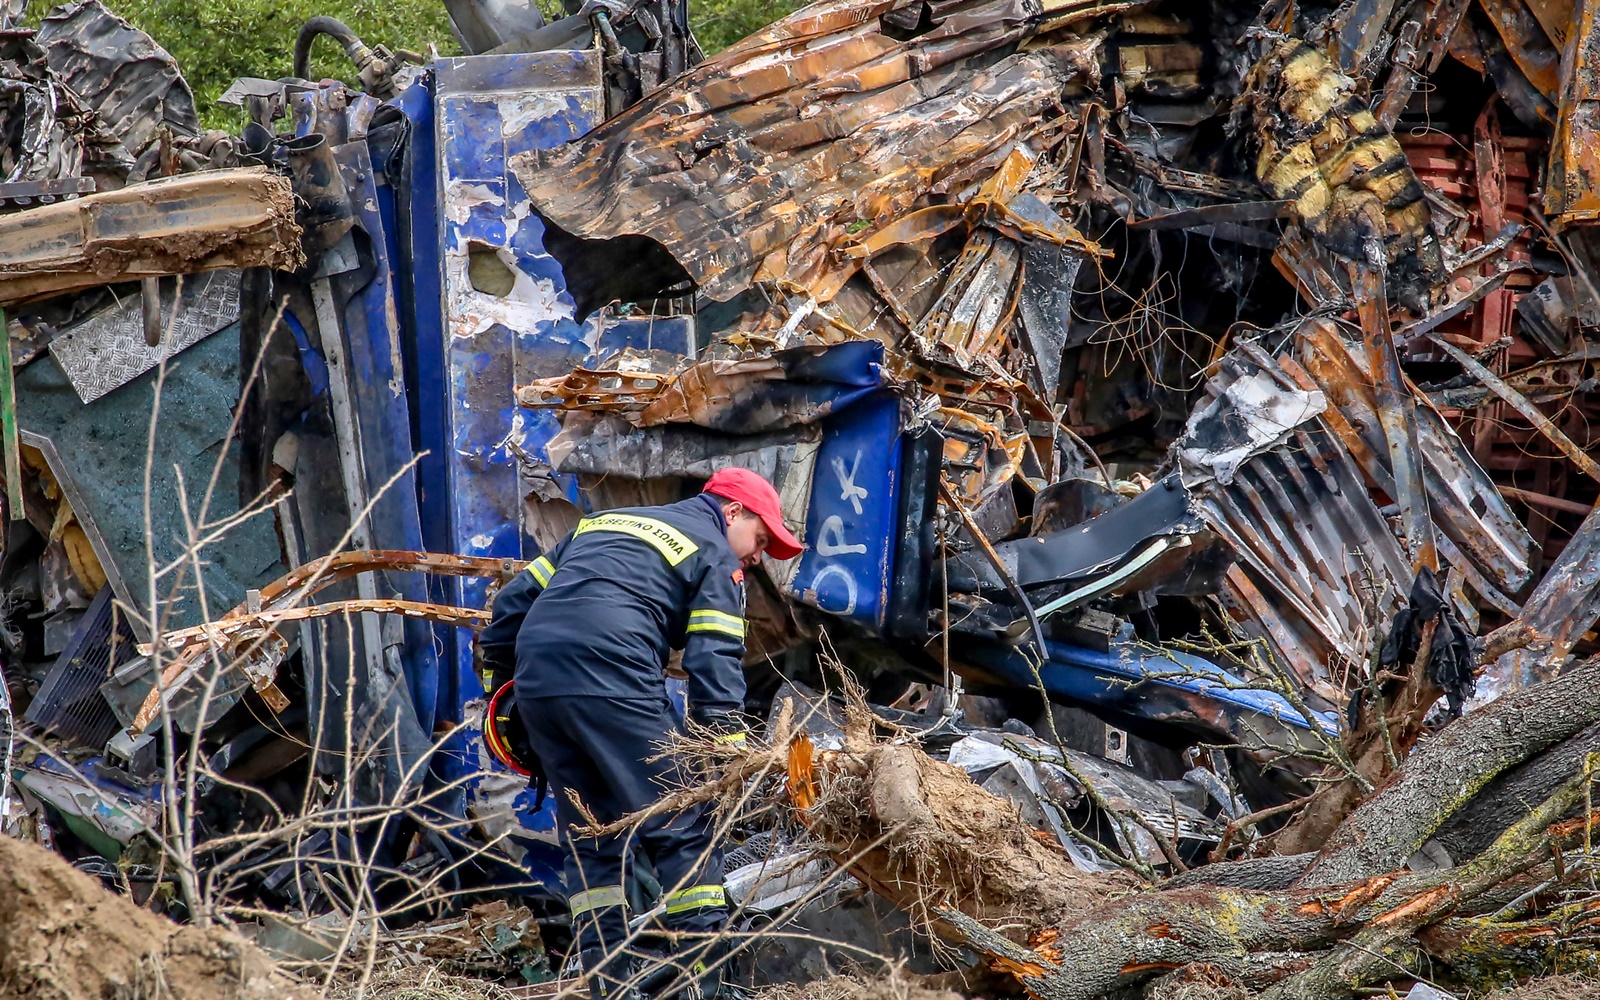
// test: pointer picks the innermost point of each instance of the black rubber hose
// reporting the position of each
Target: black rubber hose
(322, 25)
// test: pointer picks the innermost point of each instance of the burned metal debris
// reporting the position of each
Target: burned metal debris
(1169, 398)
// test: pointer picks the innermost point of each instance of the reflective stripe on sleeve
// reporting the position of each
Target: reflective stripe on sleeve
(542, 569)
(597, 899)
(695, 898)
(709, 620)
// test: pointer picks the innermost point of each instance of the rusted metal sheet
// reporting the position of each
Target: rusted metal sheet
(1564, 606)
(626, 384)
(1572, 186)
(882, 118)
(1536, 53)
(179, 225)
(1397, 415)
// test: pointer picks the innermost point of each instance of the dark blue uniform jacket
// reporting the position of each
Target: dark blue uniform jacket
(598, 614)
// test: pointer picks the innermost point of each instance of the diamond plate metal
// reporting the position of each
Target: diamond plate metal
(107, 350)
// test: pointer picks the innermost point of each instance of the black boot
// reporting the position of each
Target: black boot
(710, 973)
(714, 977)
(611, 977)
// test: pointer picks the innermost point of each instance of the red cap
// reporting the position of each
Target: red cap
(760, 499)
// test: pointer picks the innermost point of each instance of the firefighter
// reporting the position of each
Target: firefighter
(586, 630)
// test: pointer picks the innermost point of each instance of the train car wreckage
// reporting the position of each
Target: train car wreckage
(1206, 390)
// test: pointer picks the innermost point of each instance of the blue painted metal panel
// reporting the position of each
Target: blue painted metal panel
(490, 108)
(851, 525)
(1143, 681)
(371, 330)
(651, 333)
(487, 110)
(311, 359)
(421, 290)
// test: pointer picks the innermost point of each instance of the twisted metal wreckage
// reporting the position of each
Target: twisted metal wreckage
(1197, 369)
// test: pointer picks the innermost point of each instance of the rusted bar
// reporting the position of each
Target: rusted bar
(1540, 500)
(278, 598)
(1396, 414)
(230, 627)
(188, 642)
(324, 572)
(1444, 314)
(1520, 403)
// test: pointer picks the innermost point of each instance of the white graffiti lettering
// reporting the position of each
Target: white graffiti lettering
(830, 540)
(849, 587)
(848, 490)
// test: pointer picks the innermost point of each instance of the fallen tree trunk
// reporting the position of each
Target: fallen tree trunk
(967, 866)
(1385, 942)
(1516, 791)
(1363, 931)
(1447, 771)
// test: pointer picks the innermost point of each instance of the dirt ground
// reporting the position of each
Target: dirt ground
(64, 937)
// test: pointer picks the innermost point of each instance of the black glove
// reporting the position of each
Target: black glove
(537, 779)
(496, 668)
(726, 727)
(517, 739)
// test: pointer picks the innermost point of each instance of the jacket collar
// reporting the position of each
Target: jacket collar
(716, 512)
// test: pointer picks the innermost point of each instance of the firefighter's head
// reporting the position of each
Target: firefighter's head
(754, 516)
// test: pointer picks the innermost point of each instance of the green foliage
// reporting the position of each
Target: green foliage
(215, 41)
(720, 23)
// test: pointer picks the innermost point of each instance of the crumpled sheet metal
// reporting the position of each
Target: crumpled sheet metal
(1572, 184)
(805, 130)
(131, 82)
(1030, 772)
(44, 117)
(1319, 569)
(1564, 606)
(603, 444)
(751, 395)
(1317, 566)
